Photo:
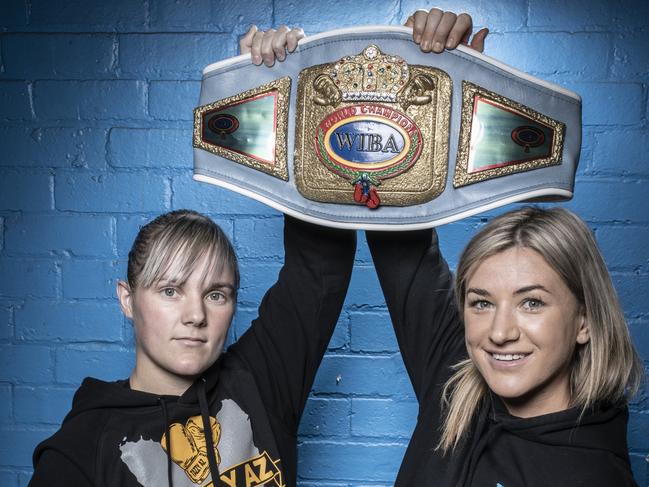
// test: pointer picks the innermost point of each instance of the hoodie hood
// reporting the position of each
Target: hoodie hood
(566, 448)
(602, 427)
(98, 394)
(97, 397)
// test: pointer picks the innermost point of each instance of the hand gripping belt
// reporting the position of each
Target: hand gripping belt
(360, 129)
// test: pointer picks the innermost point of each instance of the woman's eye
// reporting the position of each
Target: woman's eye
(216, 296)
(169, 292)
(533, 304)
(479, 304)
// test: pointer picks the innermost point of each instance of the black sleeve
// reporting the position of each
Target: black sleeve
(286, 342)
(55, 469)
(418, 289)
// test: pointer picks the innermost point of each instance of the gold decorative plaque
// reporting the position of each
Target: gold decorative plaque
(372, 130)
(499, 136)
(249, 128)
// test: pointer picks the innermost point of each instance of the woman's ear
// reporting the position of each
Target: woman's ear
(583, 334)
(125, 296)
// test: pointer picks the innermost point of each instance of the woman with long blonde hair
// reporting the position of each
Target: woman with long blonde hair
(524, 370)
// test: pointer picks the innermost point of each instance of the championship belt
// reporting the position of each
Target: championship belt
(358, 128)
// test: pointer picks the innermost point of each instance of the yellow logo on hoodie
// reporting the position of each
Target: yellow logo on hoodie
(189, 449)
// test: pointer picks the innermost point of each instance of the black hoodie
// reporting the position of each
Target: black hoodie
(502, 450)
(240, 418)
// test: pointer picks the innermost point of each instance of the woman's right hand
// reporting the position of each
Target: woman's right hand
(436, 30)
(270, 45)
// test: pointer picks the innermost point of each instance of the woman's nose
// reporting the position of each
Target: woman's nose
(504, 326)
(194, 311)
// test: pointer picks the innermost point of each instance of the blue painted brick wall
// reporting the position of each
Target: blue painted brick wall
(96, 105)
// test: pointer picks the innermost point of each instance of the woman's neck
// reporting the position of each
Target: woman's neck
(161, 386)
(540, 405)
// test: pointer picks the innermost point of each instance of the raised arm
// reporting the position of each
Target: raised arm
(297, 316)
(418, 289)
(285, 344)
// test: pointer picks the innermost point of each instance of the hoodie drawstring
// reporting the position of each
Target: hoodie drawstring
(207, 428)
(166, 428)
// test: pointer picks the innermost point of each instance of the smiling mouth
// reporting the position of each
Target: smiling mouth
(508, 357)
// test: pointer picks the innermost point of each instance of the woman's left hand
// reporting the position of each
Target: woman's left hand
(268, 46)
